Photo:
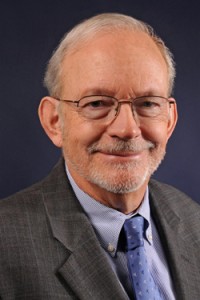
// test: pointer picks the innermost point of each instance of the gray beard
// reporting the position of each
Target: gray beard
(126, 184)
(128, 179)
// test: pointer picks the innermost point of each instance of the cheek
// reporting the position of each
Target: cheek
(157, 132)
(79, 133)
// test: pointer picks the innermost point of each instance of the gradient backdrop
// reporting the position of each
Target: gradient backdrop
(30, 30)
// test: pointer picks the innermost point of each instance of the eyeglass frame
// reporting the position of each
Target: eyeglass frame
(119, 101)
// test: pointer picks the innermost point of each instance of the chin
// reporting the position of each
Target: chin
(120, 182)
(124, 178)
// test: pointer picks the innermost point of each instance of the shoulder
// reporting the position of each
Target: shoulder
(25, 215)
(31, 198)
(168, 199)
(167, 190)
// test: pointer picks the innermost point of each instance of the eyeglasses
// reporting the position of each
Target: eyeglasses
(107, 107)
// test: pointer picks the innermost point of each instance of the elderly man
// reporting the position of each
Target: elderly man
(97, 227)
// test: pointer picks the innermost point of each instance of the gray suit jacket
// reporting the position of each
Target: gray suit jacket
(48, 249)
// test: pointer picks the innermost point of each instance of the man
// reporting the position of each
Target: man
(110, 110)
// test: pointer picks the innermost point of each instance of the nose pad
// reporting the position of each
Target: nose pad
(125, 125)
(135, 116)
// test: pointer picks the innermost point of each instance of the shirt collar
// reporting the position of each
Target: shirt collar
(108, 222)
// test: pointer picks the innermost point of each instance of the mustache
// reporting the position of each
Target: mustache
(121, 146)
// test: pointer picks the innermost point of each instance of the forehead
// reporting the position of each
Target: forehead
(114, 58)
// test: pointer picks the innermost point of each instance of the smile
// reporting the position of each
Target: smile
(122, 155)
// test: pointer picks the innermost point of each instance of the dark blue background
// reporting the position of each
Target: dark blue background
(30, 30)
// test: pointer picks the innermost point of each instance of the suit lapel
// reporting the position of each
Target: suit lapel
(183, 258)
(88, 273)
(86, 269)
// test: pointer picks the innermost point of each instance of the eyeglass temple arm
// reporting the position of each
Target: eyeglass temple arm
(65, 100)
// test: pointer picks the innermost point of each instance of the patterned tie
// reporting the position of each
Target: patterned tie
(141, 278)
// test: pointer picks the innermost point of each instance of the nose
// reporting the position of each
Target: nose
(126, 124)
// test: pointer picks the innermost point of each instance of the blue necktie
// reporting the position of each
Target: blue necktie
(141, 278)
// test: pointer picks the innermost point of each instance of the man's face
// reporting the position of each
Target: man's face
(117, 156)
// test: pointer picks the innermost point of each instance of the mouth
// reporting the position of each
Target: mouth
(121, 156)
(124, 151)
(121, 153)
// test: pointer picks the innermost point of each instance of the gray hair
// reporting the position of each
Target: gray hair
(89, 28)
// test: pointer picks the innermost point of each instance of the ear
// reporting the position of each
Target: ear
(173, 117)
(50, 119)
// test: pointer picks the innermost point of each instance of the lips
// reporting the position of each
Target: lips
(120, 157)
(123, 154)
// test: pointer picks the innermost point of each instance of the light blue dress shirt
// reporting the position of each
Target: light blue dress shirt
(108, 223)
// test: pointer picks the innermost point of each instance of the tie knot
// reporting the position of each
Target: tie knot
(134, 229)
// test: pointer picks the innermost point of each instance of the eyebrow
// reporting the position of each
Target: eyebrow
(98, 91)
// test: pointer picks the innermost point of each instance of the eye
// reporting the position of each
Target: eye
(148, 102)
(96, 106)
(96, 102)
(150, 106)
